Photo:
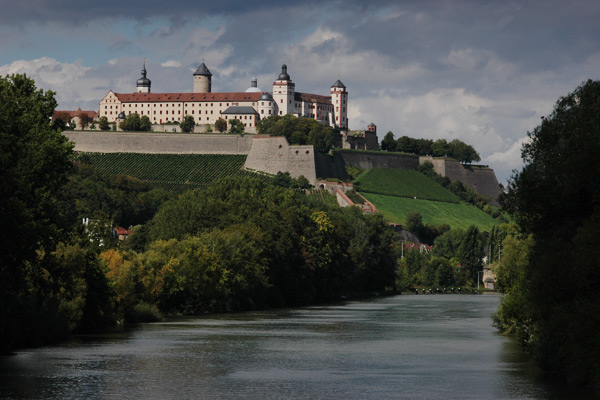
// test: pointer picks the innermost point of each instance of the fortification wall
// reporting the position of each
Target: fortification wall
(367, 160)
(157, 143)
(439, 164)
(481, 179)
(272, 154)
(328, 166)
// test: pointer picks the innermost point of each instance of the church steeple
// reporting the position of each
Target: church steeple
(143, 84)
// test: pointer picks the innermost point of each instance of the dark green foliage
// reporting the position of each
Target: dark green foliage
(188, 124)
(470, 252)
(47, 288)
(555, 198)
(134, 123)
(103, 124)
(388, 143)
(221, 125)
(402, 183)
(236, 127)
(284, 179)
(426, 233)
(298, 131)
(456, 149)
(308, 251)
(120, 199)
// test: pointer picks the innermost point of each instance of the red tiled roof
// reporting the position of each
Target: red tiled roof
(312, 98)
(72, 114)
(187, 97)
(121, 231)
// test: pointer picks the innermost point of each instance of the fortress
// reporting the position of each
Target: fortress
(264, 153)
(207, 107)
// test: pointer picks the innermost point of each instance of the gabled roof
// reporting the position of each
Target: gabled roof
(187, 97)
(312, 98)
(240, 110)
(73, 114)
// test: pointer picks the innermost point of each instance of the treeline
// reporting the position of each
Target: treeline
(245, 244)
(455, 260)
(549, 269)
(456, 149)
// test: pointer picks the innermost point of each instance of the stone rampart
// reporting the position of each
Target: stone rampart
(481, 179)
(272, 154)
(371, 160)
(157, 143)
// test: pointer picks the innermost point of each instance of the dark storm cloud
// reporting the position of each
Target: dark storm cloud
(76, 12)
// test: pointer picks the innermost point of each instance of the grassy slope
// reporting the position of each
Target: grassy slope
(395, 209)
(403, 183)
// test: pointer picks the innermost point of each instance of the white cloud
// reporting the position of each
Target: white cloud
(171, 63)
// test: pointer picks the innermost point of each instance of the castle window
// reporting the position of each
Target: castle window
(280, 112)
(262, 111)
(269, 111)
(192, 112)
(281, 100)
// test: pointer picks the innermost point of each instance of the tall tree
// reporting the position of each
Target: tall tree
(388, 143)
(34, 161)
(556, 198)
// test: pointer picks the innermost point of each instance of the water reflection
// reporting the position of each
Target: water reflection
(413, 347)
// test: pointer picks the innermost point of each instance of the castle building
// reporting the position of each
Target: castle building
(249, 106)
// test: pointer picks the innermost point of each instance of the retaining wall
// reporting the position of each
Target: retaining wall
(272, 154)
(367, 160)
(157, 143)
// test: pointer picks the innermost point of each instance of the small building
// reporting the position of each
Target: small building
(246, 114)
(120, 233)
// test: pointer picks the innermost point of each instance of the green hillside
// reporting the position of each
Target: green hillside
(174, 172)
(461, 215)
(403, 183)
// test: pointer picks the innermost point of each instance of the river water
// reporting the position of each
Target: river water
(403, 347)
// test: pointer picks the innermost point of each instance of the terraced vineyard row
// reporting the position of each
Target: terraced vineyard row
(173, 172)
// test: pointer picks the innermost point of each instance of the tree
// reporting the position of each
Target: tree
(388, 143)
(61, 119)
(188, 123)
(221, 125)
(135, 123)
(145, 124)
(208, 129)
(298, 131)
(555, 198)
(84, 120)
(34, 162)
(236, 127)
(103, 124)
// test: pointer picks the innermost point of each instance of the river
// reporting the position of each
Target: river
(402, 347)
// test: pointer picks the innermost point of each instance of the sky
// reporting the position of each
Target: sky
(484, 72)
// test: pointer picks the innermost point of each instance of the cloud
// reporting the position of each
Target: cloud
(171, 63)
